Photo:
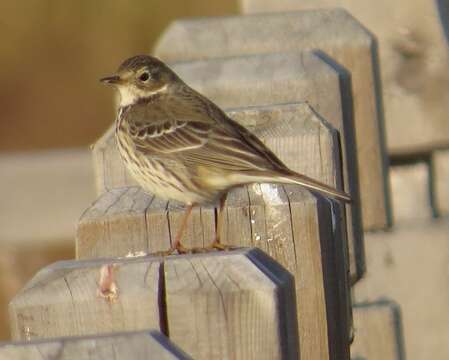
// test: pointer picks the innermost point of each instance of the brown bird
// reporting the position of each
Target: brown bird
(180, 146)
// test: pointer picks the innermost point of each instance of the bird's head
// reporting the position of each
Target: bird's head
(141, 77)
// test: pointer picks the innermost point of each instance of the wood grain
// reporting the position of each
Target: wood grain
(378, 331)
(321, 267)
(102, 238)
(227, 306)
(63, 299)
(304, 232)
(238, 304)
(301, 138)
(133, 345)
(333, 31)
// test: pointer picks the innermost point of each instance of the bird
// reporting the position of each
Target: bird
(179, 145)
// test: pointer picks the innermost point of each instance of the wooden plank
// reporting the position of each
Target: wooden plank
(333, 31)
(378, 331)
(157, 227)
(304, 141)
(321, 266)
(132, 345)
(278, 239)
(226, 306)
(201, 229)
(440, 180)
(411, 194)
(88, 297)
(102, 226)
(410, 37)
(236, 228)
(238, 304)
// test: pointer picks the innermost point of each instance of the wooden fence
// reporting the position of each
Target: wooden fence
(285, 293)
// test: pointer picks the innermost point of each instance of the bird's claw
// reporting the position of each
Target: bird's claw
(221, 247)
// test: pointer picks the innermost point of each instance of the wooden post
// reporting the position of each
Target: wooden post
(88, 297)
(416, 116)
(228, 306)
(335, 32)
(238, 304)
(305, 233)
(132, 345)
(378, 331)
(295, 132)
(306, 76)
(284, 221)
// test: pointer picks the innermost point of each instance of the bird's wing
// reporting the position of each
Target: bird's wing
(204, 137)
(169, 137)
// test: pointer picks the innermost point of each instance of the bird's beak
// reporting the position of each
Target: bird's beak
(111, 80)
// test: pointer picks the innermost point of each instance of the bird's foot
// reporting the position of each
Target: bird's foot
(177, 248)
(181, 249)
(217, 245)
(168, 252)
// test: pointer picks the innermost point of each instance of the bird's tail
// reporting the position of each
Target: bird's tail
(292, 177)
(312, 184)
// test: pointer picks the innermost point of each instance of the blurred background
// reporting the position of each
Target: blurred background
(52, 54)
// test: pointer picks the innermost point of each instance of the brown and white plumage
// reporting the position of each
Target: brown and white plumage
(179, 145)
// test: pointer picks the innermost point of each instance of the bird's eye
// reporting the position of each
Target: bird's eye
(144, 76)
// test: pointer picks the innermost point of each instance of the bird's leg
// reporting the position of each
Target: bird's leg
(177, 245)
(217, 244)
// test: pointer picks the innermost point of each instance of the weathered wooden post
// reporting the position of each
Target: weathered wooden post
(305, 233)
(415, 117)
(307, 76)
(335, 32)
(238, 304)
(378, 331)
(144, 345)
(239, 82)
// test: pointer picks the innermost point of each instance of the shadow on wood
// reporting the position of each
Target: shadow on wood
(145, 345)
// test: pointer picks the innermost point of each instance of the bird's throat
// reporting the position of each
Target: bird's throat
(132, 95)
